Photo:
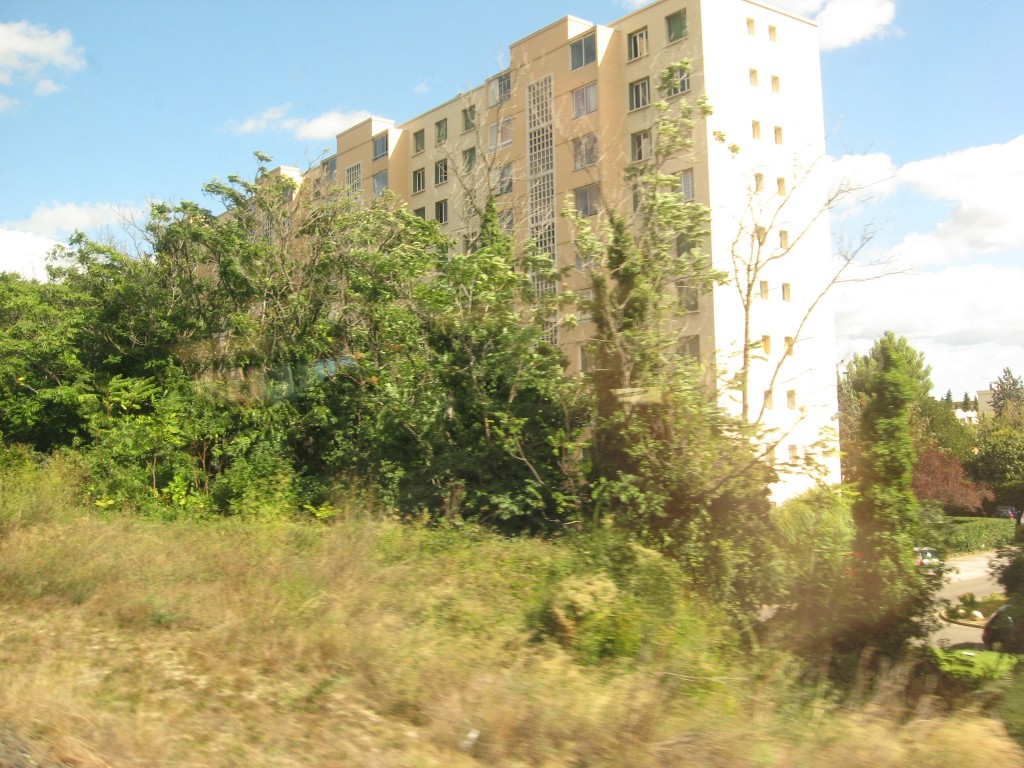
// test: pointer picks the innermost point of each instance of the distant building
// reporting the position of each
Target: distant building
(966, 417)
(985, 408)
(575, 108)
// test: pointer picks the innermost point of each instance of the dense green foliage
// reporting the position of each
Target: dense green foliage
(972, 534)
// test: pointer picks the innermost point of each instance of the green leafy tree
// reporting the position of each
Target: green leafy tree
(1008, 399)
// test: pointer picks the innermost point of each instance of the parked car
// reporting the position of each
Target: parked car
(1006, 511)
(927, 559)
(1000, 628)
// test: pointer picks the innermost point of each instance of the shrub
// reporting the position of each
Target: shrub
(971, 534)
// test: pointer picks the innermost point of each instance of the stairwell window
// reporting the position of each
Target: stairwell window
(675, 25)
(380, 146)
(380, 183)
(636, 44)
(639, 93)
(419, 141)
(499, 88)
(584, 100)
(441, 131)
(583, 51)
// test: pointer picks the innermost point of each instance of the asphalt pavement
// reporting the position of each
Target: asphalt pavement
(968, 573)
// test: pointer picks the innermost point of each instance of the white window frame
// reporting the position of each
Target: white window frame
(441, 211)
(686, 187)
(499, 89)
(503, 180)
(419, 141)
(419, 180)
(637, 44)
(586, 199)
(441, 171)
(380, 182)
(584, 100)
(639, 94)
(441, 131)
(680, 83)
(584, 151)
(583, 51)
(380, 145)
(500, 133)
(640, 146)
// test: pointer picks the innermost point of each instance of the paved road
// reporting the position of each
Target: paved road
(971, 574)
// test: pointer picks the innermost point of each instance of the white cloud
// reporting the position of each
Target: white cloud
(46, 87)
(842, 23)
(57, 220)
(26, 48)
(325, 126)
(421, 88)
(965, 319)
(6, 102)
(24, 253)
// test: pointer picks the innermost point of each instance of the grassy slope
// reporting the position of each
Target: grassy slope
(126, 642)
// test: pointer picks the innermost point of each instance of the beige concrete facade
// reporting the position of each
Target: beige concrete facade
(566, 119)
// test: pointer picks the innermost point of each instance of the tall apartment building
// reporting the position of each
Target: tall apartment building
(574, 109)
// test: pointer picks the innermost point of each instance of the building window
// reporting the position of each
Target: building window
(780, 185)
(380, 146)
(501, 133)
(583, 51)
(783, 238)
(753, 77)
(689, 296)
(441, 211)
(584, 262)
(441, 131)
(776, 84)
(503, 184)
(584, 100)
(586, 362)
(778, 134)
(640, 146)
(764, 289)
(636, 44)
(690, 347)
(421, 212)
(686, 184)
(761, 234)
(506, 221)
(468, 118)
(584, 151)
(640, 93)
(758, 182)
(380, 182)
(786, 295)
(766, 344)
(675, 24)
(419, 141)
(789, 346)
(791, 399)
(769, 399)
(499, 88)
(751, 29)
(755, 129)
(419, 180)
(773, 34)
(331, 168)
(587, 199)
(680, 82)
(354, 179)
(440, 172)
(469, 158)
(585, 304)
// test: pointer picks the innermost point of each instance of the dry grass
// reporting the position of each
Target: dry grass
(125, 642)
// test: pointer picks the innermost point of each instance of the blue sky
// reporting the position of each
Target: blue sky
(106, 105)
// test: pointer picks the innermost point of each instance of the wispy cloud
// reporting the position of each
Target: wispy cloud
(58, 220)
(842, 23)
(324, 126)
(421, 88)
(27, 50)
(6, 102)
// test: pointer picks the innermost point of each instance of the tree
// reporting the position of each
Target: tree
(890, 596)
(1008, 399)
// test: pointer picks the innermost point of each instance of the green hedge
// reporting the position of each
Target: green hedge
(974, 534)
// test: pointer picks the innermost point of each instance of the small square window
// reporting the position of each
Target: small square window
(469, 158)
(586, 199)
(776, 84)
(780, 185)
(421, 212)
(766, 344)
(786, 294)
(468, 118)
(499, 88)
(753, 77)
(675, 25)
(380, 182)
(764, 289)
(419, 180)
(380, 146)
(639, 93)
(441, 131)
(636, 44)
(501, 133)
(440, 172)
(686, 184)
(640, 146)
(584, 100)
(419, 141)
(680, 82)
(755, 129)
(778, 134)
(441, 211)
(503, 184)
(584, 151)
(583, 51)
